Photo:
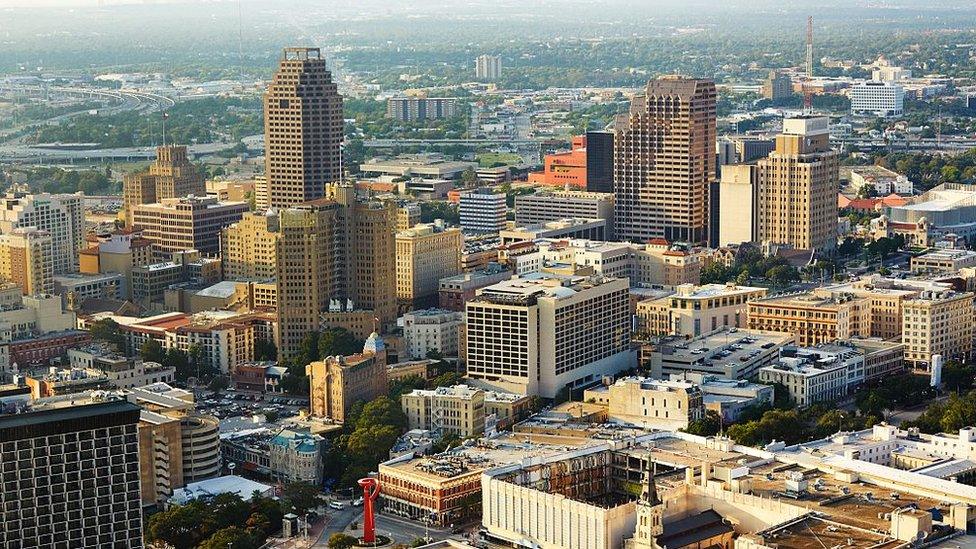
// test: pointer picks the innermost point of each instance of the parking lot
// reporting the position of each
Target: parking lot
(230, 404)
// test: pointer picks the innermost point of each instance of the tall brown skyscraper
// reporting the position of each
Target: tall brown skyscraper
(336, 255)
(172, 175)
(302, 129)
(664, 161)
(797, 190)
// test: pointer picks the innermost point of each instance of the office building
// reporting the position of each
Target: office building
(417, 166)
(428, 330)
(77, 288)
(695, 310)
(564, 169)
(488, 67)
(334, 256)
(189, 223)
(119, 253)
(937, 323)
(534, 336)
(664, 160)
(880, 180)
(424, 255)
(777, 86)
(302, 129)
(809, 376)
(248, 247)
(531, 209)
(408, 215)
(454, 291)
(880, 99)
(599, 162)
(798, 185)
(883, 299)
(62, 216)
(649, 403)
(812, 318)
(413, 109)
(73, 476)
(446, 411)
(27, 260)
(738, 204)
(338, 382)
(945, 261)
(172, 175)
(482, 211)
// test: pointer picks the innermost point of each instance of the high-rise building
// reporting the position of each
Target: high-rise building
(424, 255)
(27, 260)
(482, 211)
(172, 175)
(664, 160)
(190, 223)
(599, 162)
(336, 255)
(535, 336)
(302, 129)
(412, 109)
(777, 86)
(338, 382)
(798, 182)
(61, 215)
(488, 67)
(882, 99)
(72, 475)
(737, 204)
(248, 247)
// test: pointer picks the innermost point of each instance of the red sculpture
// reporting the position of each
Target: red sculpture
(371, 490)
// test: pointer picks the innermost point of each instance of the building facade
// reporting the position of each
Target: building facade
(27, 260)
(248, 247)
(937, 323)
(424, 255)
(172, 175)
(482, 211)
(412, 109)
(61, 215)
(302, 129)
(338, 382)
(190, 223)
(664, 161)
(881, 99)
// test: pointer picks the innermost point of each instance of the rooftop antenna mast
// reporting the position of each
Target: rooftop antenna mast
(240, 40)
(807, 92)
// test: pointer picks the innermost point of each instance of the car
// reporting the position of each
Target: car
(337, 505)
(358, 502)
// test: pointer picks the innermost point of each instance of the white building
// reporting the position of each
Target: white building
(61, 215)
(882, 180)
(809, 377)
(482, 211)
(488, 67)
(882, 99)
(538, 334)
(432, 330)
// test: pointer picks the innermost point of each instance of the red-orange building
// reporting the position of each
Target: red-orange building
(562, 168)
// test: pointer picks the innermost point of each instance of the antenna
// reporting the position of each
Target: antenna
(240, 40)
(810, 47)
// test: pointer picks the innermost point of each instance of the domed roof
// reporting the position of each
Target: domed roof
(374, 344)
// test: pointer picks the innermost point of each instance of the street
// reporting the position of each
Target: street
(398, 529)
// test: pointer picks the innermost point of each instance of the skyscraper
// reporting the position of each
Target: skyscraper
(334, 254)
(74, 477)
(664, 160)
(488, 67)
(172, 175)
(797, 187)
(61, 215)
(302, 129)
(599, 162)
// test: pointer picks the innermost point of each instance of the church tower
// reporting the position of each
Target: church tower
(650, 513)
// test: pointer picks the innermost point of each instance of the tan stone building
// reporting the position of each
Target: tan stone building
(119, 253)
(338, 382)
(797, 188)
(812, 319)
(248, 247)
(937, 323)
(302, 129)
(696, 310)
(664, 161)
(656, 404)
(172, 175)
(424, 255)
(661, 263)
(408, 215)
(27, 260)
(177, 224)
(885, 299)
(457, 410)
(335, 259)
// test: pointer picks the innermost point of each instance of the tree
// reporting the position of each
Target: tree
(310, 347)
(448, 379)
(338, 341)
(107, 330)
(342, 541)
(231, 537)
(178, 526)
(382, 411)
(707, 426)
(226, 510)
(219, 383)
(370, 445)
(295, 385)
(152, 351)
(265, 349)
(469, 177)
(300, 496)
